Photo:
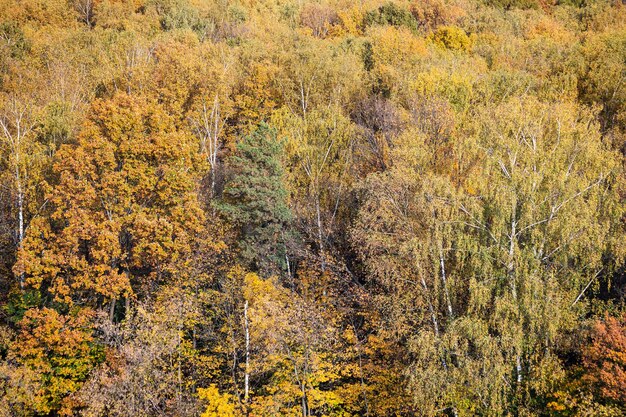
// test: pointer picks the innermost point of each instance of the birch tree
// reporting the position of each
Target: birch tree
(539, 217)
(22, 158)
(319, 149)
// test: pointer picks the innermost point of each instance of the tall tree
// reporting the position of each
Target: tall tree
(501, 266)
(255, 199)
(123, 211)
(22, 158)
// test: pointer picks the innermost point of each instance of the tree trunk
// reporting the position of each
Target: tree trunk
(20, 210)
(247, 374)
(444, 281)
(320, 237)
(431, 308)
(112, 309)
(304, 407)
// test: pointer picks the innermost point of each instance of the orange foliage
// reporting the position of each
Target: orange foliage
(605, 358)
(59, 349)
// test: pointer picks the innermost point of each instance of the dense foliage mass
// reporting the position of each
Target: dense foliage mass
(312, 208)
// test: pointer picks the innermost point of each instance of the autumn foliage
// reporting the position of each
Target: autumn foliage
(320, 208)
(605, 358)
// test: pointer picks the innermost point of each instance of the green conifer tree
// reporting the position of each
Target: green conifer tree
(255, 199)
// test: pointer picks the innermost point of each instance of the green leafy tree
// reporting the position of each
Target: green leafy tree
(255, 199)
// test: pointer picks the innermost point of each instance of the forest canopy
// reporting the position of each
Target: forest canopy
(331, 208)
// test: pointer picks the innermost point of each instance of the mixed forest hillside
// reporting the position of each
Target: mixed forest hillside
(331, 208)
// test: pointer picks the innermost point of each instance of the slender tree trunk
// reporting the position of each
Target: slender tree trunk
(214, 141)
(304, 407)
(444, 281)
(288, 267)
(208, 128)
(15, 125)
(302, 386)
(320, 237)
(194, 332)
(247, 374)
(20, 216)
(112, 309)
(433, 315)
(431, 308)
(511, 260)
